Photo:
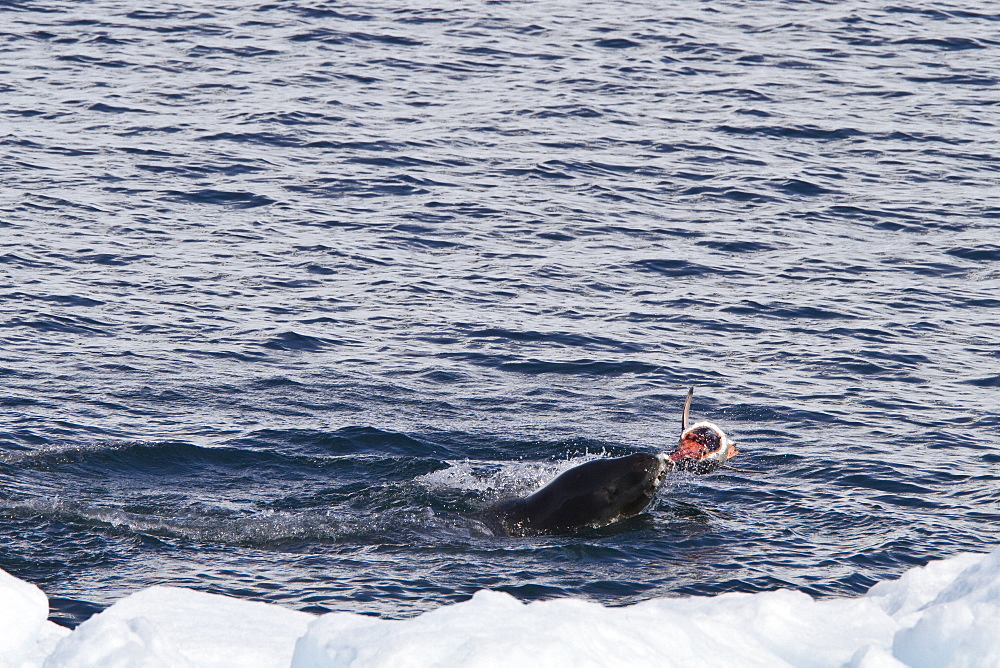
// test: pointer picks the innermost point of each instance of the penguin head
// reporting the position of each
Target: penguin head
(703, 447)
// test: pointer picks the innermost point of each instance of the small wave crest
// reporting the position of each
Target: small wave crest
(229, 524)
(499, 478)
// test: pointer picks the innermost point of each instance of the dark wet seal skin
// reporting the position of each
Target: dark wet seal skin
(593, 494)
(603, 491)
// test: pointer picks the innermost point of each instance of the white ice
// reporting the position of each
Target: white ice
(26, 636)
(944, 614)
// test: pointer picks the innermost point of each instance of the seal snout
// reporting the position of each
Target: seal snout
(666, 465)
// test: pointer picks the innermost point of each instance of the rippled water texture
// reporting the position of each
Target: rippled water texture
(289, 290)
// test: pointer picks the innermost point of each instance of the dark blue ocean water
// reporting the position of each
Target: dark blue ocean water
(288, 289)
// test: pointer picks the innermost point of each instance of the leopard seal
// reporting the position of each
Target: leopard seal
(604, 491)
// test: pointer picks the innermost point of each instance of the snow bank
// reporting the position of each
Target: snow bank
(777, 629)
(944, 614)
(172, 627)
(960, 626)
(26, 636)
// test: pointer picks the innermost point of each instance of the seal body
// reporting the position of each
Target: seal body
(593, 494)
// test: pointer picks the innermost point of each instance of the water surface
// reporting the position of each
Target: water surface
(290, 289)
